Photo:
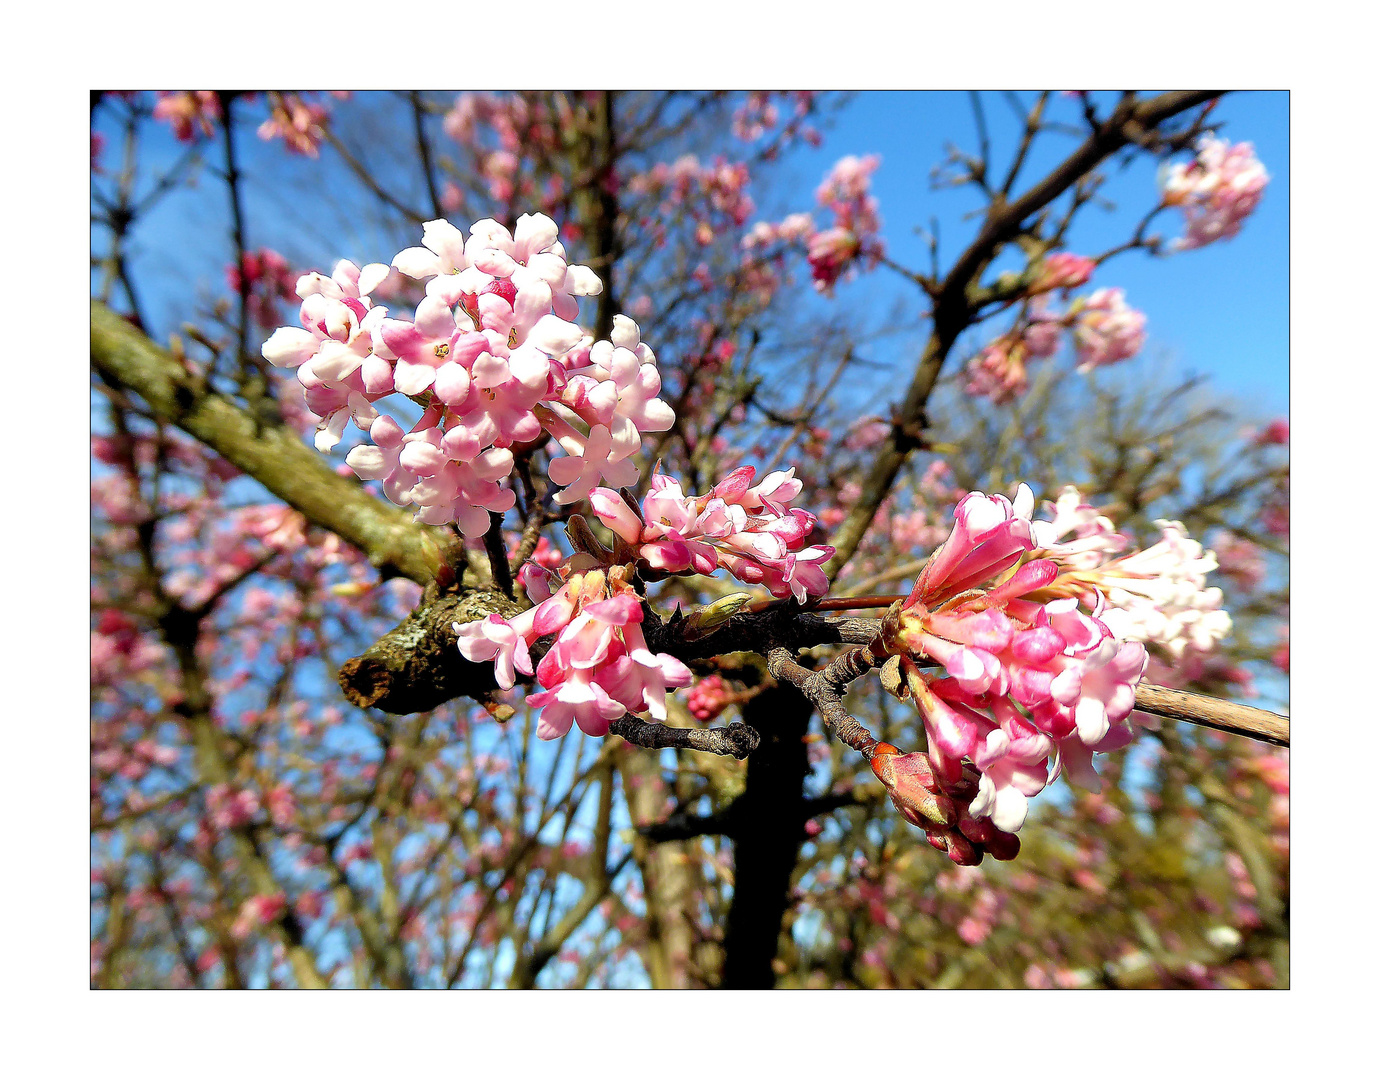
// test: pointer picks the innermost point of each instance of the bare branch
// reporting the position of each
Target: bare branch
(736, 740)
(1258, 724)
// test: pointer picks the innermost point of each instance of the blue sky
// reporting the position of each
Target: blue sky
(1222, 310)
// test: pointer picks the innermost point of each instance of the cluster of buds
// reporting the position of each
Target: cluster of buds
(230, 807)
(714, 194)
(300, 124)
(1216, 191)
(759, 114)
(1039, 629)
(941, 811)
(494, 361)
(1062, 270)
(998, 372)
(708, 698)
(845, 191)
(257, 911)
(745, 529)
(268, 280)
(599, 666)
(191, 113)
(1104, 330)
(1026, 678)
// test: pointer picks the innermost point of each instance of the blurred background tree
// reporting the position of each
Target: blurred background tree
(251, 826)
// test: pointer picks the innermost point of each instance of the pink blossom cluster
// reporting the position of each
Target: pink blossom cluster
(599, 666)
(229, 807)
(121, 650)
(998, 372)
(191, 113)
(792, 229)
(708, 698)
(1216, 191)
(1106, 329)
(1158, 596)
(715, 194)
(1037, 675)
(1275, 433)
(759, 114)
(854, 235)
(513, 119)
(269, 281)
(499, 130)
(1062, 270)
(257, 911)
(493, 358)
(1239, 559)
(300, 124)
(130, 760)
(747, 530)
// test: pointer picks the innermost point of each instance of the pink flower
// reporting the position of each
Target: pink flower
(748, 530)
(1217, 191)
(190, 112)
(990, 533)
(1040, 650)
(299, 124)
(845, 191)
(1062, 270)
(831, 252)
(1275, 433)
(501, 640)
(1106, 330)
(598, 667)
(492, 354)
(998, 372)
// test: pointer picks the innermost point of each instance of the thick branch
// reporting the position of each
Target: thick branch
(417, 665)
(1210, 712)
(272, 455)
(767, 838)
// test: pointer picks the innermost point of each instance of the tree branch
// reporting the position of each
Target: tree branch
(417, 665)
(271, 454)
(1253, 723)
(736, 740)
(953, 307)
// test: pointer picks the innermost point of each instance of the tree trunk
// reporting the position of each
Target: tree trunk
(769, 829)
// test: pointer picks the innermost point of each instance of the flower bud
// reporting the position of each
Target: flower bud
(910, 782)
(717, 613)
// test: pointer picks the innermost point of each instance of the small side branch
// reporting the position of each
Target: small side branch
(736, 740)
(1225, 716)
(825, 689)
